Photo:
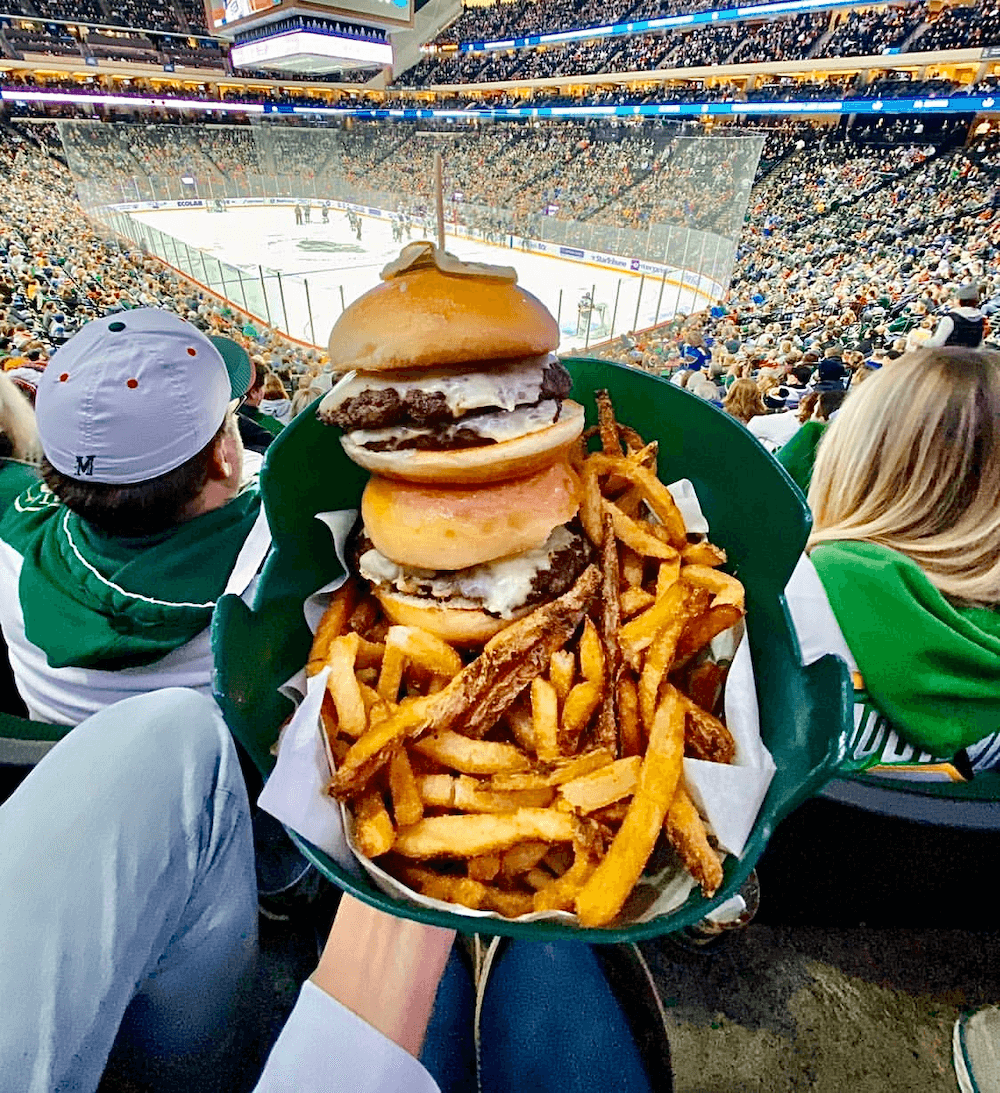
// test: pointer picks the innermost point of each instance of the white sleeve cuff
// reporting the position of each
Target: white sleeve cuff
(325, 1048)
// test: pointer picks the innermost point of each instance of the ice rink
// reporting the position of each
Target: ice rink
(323, 267)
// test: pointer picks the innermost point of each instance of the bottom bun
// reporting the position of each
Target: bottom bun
(464, 626)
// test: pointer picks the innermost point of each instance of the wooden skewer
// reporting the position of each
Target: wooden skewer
(439, 197)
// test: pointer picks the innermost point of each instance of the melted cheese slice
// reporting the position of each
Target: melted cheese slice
(499, 587)
(498, 427)
(507, 385)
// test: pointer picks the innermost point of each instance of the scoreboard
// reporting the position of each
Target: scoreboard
(309, 36)
(228, 17)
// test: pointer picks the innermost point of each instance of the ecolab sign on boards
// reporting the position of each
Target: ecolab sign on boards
(187, 204)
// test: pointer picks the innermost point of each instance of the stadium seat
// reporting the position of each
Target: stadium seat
(974, 804)
(804, 712)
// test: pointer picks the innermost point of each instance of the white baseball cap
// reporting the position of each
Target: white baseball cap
(136, 394)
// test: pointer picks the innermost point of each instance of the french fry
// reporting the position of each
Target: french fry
(633, 442)
(562, 672)
(705, 685)
(606, 423)
(522, 727)
(424, 649)
(635, 536)
(370, 654)
(658, 660)
(638, 633)
(703, 553)
(631, 567)
(545, 718)
(537, 878)
(606, 733)
(519, 859)
(469, 836)
(407, 807)
(328, 716)
(668, 573)
(373, 830)
(563, 770)
(654, 492)
(633, 600)
(484, 868)
(391, 676)
(705, 736)
(686, 834)
(471, 796)
(352, 718)
(591, 654)
(578, 709)
(436, 790)
(529, 644)
(561, 894)
(604, 894)
(602, 787)
(458, 752)
(447, 888)
(590, 504)
(332, 624)
(727, 589)
(508, 904)
(700, 630)
(628, 717)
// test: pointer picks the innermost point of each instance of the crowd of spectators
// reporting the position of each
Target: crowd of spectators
(886, 184)
(57, 272)
(876, 30)
(923, 220)
(789, 38)
(868, 31)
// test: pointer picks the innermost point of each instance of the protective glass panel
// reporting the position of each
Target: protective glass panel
(615, 227)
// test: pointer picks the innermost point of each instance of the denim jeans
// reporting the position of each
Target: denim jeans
(128, 908)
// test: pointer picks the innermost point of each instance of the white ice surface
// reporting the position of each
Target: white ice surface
(333, 261)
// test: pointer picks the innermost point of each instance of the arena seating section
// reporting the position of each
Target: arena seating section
(887, 182)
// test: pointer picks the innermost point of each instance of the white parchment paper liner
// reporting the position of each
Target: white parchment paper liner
(728, 796)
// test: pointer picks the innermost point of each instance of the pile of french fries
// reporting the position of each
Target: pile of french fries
(540, 774)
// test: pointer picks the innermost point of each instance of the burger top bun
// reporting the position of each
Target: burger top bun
(433, 310)
(430, 527)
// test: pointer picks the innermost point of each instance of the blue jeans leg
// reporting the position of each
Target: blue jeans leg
(550, 1024)
(126, 895)
(449, 1050)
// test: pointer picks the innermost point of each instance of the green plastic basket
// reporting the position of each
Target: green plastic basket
(755, 513)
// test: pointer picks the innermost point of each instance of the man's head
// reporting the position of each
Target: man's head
(255, 392)
(968, 295)
(134, 418)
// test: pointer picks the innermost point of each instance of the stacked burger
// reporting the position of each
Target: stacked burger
(454, 400)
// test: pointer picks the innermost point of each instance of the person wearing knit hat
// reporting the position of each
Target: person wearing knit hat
(111, 566)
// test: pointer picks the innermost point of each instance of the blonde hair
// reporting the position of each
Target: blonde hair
(912, 462)
(744, 401)
(17, 422)
(273, 387)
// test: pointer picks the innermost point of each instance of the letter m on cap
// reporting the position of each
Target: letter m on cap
(84, 464)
